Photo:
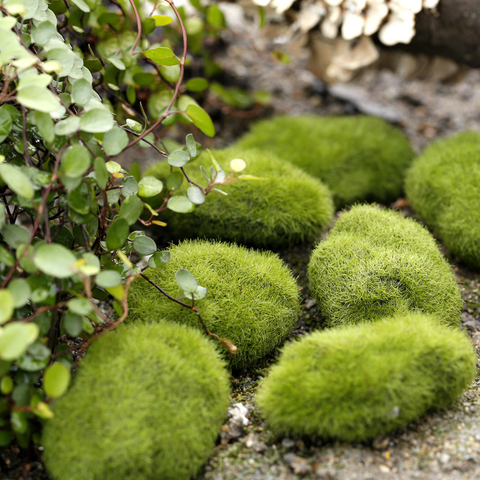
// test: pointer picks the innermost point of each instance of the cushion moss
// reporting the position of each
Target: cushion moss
(286, 208)
(358, 158)
(357, 383)
(375, 263)
(252, 299)
(147, 402)
(443, 186)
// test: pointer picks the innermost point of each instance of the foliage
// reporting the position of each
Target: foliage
(358, 158)
(252, 298)
(287, 206)
(443, 187)
(374, 264)
(147, 403)
(357, 383)
(73, 81)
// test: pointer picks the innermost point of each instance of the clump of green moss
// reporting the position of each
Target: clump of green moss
(253, 299)
(357, 383)
(443, 186)
(358, 158)
(286, 208)
(147, 402)
(374, 264)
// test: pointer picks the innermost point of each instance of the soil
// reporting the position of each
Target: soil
(441, 445)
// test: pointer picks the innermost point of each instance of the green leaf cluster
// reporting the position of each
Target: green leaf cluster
(252, 297)
(376, 263)
(147, 403)
(358, 383)
(443, 187)
(361, 159)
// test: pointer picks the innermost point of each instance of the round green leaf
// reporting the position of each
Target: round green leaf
(180, 204)
(114, 141)
(201, 119)
(197, 84)
(5, 124)
(159, 259)
(131, 209)
(15, 338)
(144, 245)
(129, 187)
(200, 293)
(195, 195)
(7, 305)
(45, 126)
(68, 126)
(178, 158)
(162, 20)
(6, 257)
(186, 281)
(17, 180)
(43, 33)
(108, 279)
(20, 290)
(55, 260)
(56, 380)
(76, 161)
(162, 56)
(80, 306)
(149, 186)
(72, 323)
(191, 145)
(174, 181)
(38, 98)
(6, 385)
(15, 235)
(96, 120)
(101, 172)
(82, 92)
(117, 234)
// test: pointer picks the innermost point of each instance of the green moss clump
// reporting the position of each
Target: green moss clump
(374, 264)
(287, 208)
(443, 186)
(358, 158)
(357, 383)
(252, 298)
(147, 402)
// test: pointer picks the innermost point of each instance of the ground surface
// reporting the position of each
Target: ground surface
(443, 445)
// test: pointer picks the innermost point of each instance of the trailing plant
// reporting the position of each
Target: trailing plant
(72, 84)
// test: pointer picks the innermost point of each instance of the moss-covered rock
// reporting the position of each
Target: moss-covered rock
(443, 186)
(357, 383)
(147, 402)
(252, 299)
(288, 207)
(358, 158)
(374, 264)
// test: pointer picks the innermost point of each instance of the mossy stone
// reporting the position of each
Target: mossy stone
(252, 300)
(443, 186)
(147, 402)
(287, 207)
(359, 158)
(376, 263)
(358, 383)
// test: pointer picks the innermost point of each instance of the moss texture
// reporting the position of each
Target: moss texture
(147, 403)
(253, 299)
(443, 186)
(358, 158)
(357, 383)
(289, 207)
(374, 264)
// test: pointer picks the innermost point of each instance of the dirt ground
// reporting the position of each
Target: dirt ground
(443, 445)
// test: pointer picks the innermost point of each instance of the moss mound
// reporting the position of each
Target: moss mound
(443, 186)
(147, 402)
(374, 264)
(358, 158)
(356, 383)
(252, 298)
(289, 207)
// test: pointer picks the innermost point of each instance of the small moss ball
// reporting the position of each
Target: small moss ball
(147, 403)
(285, 208)
(358, 158)
(357, 383)
(443, 186)
(252, 299)
(376, 263)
